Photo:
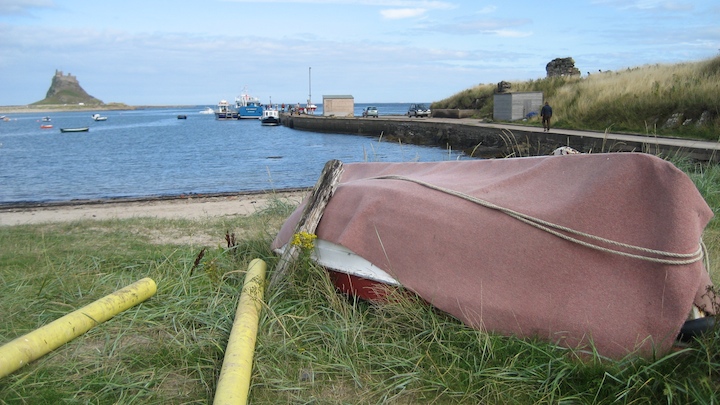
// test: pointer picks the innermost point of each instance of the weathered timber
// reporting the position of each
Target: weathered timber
(319, 197)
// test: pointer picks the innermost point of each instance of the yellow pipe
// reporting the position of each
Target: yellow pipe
(45, 339)
(234, 382)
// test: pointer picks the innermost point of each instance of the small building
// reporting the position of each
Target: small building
(338, 105)
(516, 106)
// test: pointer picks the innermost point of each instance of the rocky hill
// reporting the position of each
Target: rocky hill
(65, 89)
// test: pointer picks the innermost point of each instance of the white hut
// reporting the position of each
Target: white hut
(516, 106)
(338, 105)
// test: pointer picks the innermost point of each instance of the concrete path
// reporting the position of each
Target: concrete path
(675, 142)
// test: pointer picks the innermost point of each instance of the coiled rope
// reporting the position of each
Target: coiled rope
(665, 257)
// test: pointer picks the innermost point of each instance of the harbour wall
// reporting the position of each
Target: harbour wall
(493, 141)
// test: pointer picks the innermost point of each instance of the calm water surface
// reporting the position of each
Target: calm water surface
(151, 152)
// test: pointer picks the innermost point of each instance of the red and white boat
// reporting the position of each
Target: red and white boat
(575, 249)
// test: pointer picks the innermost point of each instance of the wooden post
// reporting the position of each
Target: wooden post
(321, 193)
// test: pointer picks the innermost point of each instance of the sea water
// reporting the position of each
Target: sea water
(151, 152)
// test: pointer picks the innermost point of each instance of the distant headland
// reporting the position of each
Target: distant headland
(65, 89)
(65, 93)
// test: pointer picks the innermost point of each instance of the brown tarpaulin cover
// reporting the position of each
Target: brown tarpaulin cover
(497, 273)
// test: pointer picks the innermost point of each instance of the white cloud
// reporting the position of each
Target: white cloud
(427, 4)
(512, 34)
(487, 10)
(23, 7)
(400, 13)
(495, 27)
(649, 5)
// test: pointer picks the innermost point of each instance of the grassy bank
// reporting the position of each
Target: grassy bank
(314, 345)
(672, 100)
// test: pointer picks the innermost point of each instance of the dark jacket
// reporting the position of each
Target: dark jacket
(546, 111)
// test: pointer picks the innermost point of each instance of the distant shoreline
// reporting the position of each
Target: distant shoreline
(20, 109)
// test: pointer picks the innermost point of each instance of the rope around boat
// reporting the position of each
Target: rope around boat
(555, 229)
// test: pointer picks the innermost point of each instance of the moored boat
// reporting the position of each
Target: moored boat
(248, 106)
(270, 116)
(225, 112)
(81, 129)
(563, 248)
(46, 126)
(207, 110)
(97, 117)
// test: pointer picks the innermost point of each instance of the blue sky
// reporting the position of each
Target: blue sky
(198, 52)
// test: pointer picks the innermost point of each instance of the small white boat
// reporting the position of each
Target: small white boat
(97, 117)
(208, 110)
(46, 119)
(270, 116)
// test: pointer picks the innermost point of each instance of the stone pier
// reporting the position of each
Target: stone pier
(492, 140)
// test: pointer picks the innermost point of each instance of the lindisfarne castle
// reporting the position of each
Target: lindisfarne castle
(69, 77)
(65, 89)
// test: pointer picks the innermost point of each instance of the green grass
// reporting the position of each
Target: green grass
(639, 100)
(68, 96)
(313, 346)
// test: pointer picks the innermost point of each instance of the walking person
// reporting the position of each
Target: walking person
(546, 114)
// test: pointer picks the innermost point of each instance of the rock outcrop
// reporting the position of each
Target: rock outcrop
(65, 89)
(503, 87)
(562, 67)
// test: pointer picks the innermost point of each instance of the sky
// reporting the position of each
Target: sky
(158, 52)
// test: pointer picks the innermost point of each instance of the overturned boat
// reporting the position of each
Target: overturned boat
(583, 250)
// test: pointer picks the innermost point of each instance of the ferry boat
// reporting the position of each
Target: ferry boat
(248, 106)
(225, 112)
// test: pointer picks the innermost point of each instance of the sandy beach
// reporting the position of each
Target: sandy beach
(190, 208)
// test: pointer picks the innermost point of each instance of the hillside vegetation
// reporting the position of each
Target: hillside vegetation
(670, 100)
(69, 97)
(65, 89)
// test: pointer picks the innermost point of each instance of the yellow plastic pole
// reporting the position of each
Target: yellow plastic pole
(234, 382)
(45, 339)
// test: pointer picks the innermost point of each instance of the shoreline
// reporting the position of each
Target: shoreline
(8, 206)
(194, 207)
(24, 109)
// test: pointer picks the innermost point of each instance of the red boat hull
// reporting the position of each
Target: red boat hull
(360, 287)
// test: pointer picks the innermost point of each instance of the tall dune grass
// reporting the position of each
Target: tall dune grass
(641, 99)
(313, 346)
